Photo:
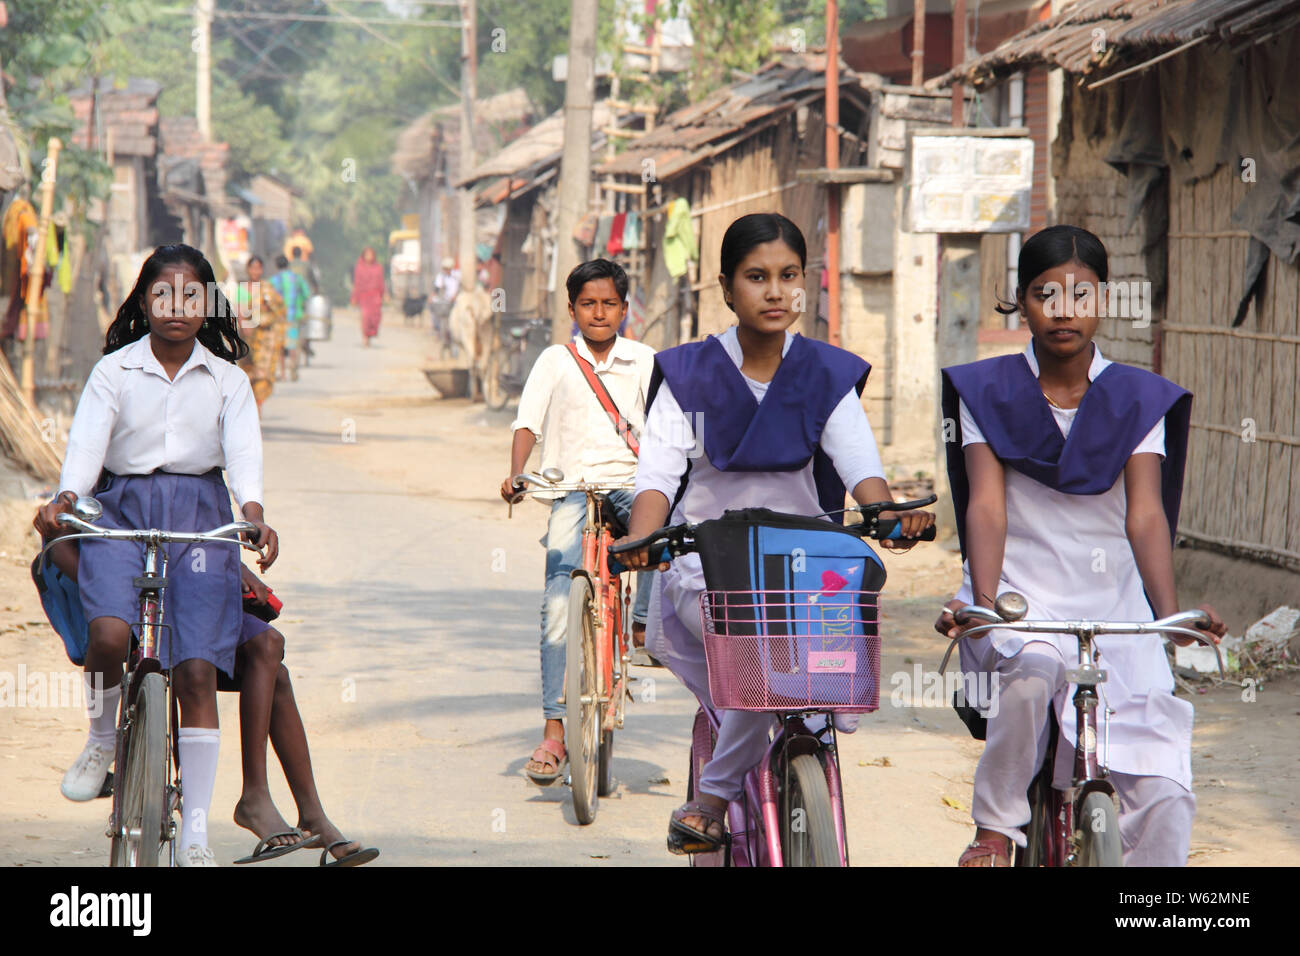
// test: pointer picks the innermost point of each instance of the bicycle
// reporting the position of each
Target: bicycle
(145, 757)
(520, 340)
(799, 654)
(1078, 826)
(597, 643)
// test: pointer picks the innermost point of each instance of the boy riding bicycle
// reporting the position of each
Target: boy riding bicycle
(589, 436)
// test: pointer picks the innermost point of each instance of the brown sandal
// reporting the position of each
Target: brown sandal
(986, 852)
(548, 752)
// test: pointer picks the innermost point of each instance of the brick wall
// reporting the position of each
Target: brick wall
(1092, 194)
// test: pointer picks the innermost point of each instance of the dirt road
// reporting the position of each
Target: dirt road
(411, 615)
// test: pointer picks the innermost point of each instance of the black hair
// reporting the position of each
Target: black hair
(220, 332)
(297, 252)
(281, 262)
(748, 232)
(252, 259)
(593, 270)
(1052, 247)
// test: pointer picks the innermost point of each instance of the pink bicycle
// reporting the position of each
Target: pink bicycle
(804, 655)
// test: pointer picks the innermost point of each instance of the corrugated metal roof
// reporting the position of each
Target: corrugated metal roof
(1102, 36)
(698, 131)
(539, 146)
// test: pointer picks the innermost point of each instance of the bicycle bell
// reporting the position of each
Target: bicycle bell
(1011, 606)
(88, 509)
(553, 475)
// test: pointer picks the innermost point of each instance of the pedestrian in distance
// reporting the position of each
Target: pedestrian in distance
(368, 292)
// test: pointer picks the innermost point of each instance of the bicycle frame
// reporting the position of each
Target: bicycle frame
(755, 830)
(143, 659)
(612, 612)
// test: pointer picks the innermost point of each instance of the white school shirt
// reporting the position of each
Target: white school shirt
(669, 445)
(1069, 555)
(561, 410)
(132, 419)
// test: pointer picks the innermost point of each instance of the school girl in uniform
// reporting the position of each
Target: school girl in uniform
(1066, 475)
(163, 413)
(781, 426)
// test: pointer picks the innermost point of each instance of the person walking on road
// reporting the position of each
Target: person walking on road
(262, 316)
(368, 292)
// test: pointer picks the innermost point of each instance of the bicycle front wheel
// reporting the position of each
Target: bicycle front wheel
(807, 819)
(582, 701)
(139, 833)
(1098, 824)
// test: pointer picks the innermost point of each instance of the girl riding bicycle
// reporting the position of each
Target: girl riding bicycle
(754, 417)
(1066, 475)
(163, 413)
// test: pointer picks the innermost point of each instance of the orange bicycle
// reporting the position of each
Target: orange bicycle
(597, 642)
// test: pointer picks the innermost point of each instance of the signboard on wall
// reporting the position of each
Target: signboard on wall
(965, 184)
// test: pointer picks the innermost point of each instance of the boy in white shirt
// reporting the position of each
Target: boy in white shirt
(561, 409)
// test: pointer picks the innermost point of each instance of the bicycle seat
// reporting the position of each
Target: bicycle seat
(609, 517)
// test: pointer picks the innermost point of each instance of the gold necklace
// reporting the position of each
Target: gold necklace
(1049, 399)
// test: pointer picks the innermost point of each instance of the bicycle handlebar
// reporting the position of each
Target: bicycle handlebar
(543, 485)
(221, 535)
(1173, 624)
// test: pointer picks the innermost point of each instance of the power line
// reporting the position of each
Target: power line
(322, 18)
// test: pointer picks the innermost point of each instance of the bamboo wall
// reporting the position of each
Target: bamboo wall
(1238, 493)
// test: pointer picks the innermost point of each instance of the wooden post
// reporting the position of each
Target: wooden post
(832, 162)
(958, 57)
(36, 274)
(918, 42)
(574, 192)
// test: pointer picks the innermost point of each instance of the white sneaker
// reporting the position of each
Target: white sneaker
(195, 855)
(85, 778)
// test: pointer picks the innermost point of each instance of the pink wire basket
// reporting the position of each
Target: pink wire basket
(792, 650)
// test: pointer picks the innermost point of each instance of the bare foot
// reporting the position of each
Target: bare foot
(257, 812)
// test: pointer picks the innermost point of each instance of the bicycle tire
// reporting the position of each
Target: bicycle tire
(494, 395)
(582, 721)
(605, 770)
(1098, 827)
(810, 839)
(144, 780)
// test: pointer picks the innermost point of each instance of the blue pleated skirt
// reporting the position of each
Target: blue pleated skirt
(202, 603)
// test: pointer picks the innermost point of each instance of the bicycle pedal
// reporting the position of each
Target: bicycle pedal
(107, 789)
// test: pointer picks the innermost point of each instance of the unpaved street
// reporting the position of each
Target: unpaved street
(411, 615)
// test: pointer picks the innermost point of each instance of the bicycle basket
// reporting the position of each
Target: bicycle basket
(790, 599)
(792, 650)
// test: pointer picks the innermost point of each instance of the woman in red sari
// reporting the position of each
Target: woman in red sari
(368, 292)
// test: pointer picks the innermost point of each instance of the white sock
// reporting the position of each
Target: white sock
(198, 747)
(101, 706)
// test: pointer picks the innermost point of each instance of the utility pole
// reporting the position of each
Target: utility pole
(958, 57)
(203, 10)
(468, 93)
(918, 42)
(575, 163)
(36, 273)
(832, 162)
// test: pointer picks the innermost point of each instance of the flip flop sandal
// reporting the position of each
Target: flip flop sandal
(994, 851)
(263, 850)
(643, 658)
(551, 751)
(683, 839)
(355, 858)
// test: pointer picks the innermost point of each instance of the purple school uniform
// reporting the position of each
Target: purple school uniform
(782, 433)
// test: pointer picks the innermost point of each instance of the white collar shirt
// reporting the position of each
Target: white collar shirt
(133, 420)
(561, 410)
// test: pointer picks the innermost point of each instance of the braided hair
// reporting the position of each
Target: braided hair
(220, 332)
